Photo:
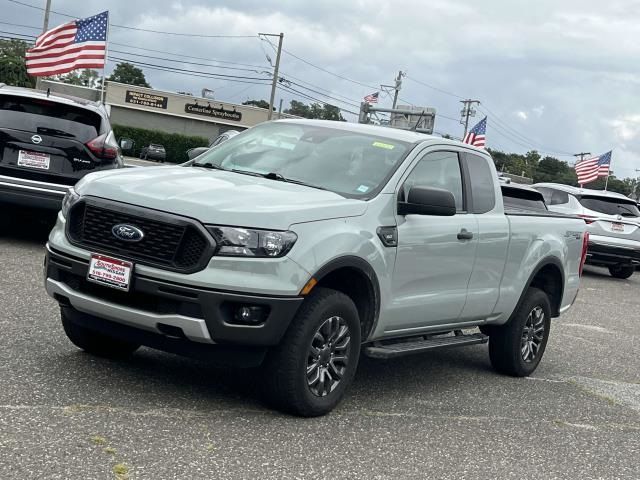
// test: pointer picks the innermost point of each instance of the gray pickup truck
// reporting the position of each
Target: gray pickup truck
(299, 244)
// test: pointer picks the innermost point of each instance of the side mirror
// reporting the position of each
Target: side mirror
(428, 201)
(126, 144)
(195, 152)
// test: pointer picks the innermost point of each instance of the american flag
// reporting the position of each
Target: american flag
(371, 98)
(476, 136)
(74, 45)
(590, 169)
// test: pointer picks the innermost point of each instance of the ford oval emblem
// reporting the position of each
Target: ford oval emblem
(127, 233)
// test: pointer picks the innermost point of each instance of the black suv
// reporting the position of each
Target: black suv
(48, 142)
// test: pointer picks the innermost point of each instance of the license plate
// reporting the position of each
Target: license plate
(110, 272)
(617, 227)
(33, 160)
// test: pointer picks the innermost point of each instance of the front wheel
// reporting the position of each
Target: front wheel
(308, 373)
(516, 348)
(621, 271)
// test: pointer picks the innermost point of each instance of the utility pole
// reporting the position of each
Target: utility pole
(397, 88)
(581, 155)
(45, 27)
(274, 84)
(466, 112)
(280, 109)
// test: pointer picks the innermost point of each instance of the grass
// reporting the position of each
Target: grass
(98, 440)
(121, 471)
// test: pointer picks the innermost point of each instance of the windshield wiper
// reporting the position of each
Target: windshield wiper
(281, 178)
(211, 166)
(54, 131)
(622, 207)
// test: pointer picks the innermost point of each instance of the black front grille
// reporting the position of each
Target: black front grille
(170, 242)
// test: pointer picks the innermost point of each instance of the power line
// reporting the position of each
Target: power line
(187, 56)
(434, 88)
(19, 34)
(521, 136)
(196, 35)
(23, 26)
(308, 97)
(195, 73)
(183, 61)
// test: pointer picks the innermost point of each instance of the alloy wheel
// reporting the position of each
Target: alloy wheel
(532, 335)
(328, 356)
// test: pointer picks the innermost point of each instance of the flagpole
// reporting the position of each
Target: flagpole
(104, 69)
(606, 182)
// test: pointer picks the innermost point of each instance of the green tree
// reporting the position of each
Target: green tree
(258, 103)
(129, 74)
(13, 70)
(315, 110)
(84, 78)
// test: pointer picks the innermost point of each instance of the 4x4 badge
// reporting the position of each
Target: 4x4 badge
(36, 139)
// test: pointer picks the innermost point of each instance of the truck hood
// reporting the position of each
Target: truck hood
(219, 197)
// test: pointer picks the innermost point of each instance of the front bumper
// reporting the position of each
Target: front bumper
(601, 252)
(32, 193)
(166, 308)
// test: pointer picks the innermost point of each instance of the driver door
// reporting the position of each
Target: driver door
(434, 260)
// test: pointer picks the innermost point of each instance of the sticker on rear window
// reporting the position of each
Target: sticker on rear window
(387, 146)
(362, 189)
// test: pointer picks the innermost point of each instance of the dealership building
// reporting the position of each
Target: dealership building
(169, 112)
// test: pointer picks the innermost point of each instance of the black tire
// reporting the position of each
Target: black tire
(94, 342)
(621, 271)
(287, 383)
(507, 349)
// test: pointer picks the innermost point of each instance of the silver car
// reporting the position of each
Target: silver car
(613, 223)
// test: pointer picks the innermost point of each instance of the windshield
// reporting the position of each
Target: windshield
(610, 206)
(345, 162)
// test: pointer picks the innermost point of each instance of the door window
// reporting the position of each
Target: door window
(439, 170)
(482, 184)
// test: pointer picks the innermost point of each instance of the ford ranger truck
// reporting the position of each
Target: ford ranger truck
(297, 245)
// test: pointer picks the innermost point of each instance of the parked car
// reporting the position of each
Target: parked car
(613, 223)
(194, 152)
(48, 142)
(153, 152)
(300, 253)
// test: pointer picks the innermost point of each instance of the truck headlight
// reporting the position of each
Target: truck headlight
(69, 200)
(247, 242)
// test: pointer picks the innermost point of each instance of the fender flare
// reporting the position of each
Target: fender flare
(550, 260)
(357, 263)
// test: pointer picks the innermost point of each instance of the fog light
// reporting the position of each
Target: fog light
(250, 314)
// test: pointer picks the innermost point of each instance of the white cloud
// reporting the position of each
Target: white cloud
(539, 110)
(522, 115)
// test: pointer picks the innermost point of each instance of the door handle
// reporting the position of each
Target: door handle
(465, 234)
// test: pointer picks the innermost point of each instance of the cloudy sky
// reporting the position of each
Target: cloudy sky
(556, 76)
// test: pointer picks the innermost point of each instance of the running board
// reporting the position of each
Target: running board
(400, 349)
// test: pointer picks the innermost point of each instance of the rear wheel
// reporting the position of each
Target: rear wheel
(94, 342)
(308, 373)
(516, 348)
(621, 271)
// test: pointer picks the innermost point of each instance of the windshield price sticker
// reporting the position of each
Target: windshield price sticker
(110, 272)
(386, 146)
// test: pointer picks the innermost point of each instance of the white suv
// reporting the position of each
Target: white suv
(613, 223)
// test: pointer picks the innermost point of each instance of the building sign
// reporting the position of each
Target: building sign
(146, 99)
(209, 111)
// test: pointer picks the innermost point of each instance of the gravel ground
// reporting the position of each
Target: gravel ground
(446, 414)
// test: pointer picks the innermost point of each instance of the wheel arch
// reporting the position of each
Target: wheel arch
(548, 276)
(357, 279)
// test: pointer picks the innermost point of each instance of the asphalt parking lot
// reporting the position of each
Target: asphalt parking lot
(67, 415)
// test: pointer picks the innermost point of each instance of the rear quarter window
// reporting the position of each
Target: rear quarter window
(49, 118)
(482, 183)
(522, 199)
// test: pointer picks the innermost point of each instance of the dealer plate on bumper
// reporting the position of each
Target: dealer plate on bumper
(109, 271)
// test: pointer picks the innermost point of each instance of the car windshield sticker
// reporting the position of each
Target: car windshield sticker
(387, 146)
(362, 188)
